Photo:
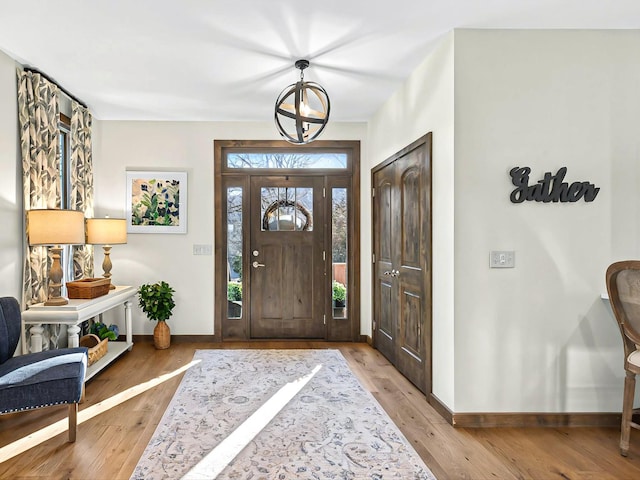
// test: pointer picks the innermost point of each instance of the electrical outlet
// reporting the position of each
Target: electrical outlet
(502, 259)
(202, 249)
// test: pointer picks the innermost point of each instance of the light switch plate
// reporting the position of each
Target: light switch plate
(502, 259)
(202, 249)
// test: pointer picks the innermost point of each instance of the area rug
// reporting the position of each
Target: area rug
(276, 414)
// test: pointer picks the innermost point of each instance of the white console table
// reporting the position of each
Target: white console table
(76, 312)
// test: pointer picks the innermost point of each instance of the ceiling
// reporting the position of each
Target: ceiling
(227, 60)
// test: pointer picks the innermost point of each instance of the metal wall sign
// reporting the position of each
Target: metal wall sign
(552, 188)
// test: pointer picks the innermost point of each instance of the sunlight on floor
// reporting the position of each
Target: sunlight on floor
(44, 434)
(215, 462)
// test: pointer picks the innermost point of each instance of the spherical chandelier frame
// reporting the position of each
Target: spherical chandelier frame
(293, 103)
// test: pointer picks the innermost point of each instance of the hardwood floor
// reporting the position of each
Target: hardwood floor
(109, 444)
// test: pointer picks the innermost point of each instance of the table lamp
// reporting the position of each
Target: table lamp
(51, 227)
(106, 232)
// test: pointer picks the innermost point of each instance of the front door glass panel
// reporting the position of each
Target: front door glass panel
(286, 209)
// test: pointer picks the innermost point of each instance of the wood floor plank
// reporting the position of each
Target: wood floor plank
(110, 444)
(444, 458)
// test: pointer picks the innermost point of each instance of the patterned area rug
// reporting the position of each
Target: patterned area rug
(276, 414)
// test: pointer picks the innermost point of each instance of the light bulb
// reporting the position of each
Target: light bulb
(304, 108)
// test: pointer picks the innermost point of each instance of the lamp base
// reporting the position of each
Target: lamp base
(107, 265)
(55, 277)
(56, 301)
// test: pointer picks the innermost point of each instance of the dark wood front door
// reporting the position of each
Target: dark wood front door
(402, 248)
(287, 269)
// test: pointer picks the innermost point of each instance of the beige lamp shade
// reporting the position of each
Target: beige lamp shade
(106, 231)
(55, 227)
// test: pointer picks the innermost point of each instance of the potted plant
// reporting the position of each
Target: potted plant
(339, 294)
(156, 301)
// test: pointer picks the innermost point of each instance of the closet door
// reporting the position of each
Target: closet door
(402, 249)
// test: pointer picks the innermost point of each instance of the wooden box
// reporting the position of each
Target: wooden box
(88, 288)
(97, 348)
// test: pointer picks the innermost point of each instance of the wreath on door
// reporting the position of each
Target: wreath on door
(287, 203)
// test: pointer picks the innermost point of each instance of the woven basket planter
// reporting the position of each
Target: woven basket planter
(97, 348)
(162, 336)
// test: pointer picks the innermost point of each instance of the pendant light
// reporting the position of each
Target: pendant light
(302, 109)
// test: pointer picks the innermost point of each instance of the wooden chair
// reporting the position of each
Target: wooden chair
(40, 379)
(623, 285)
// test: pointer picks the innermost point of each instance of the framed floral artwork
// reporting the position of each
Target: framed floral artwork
(156, 202)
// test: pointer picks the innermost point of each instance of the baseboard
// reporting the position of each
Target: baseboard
(487, 420)
(178, 338)
(214, 339)
(440, 407)
(525, 419)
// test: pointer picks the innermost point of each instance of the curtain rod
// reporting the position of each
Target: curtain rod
(65, 91)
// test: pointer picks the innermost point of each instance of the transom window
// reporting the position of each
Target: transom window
(287, 160)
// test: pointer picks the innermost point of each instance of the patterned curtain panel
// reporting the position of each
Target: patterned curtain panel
(38, 114)
(81, 183)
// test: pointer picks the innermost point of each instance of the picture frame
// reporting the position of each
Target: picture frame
(156, 201)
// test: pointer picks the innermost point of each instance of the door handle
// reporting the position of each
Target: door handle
(257, 265)
(395, 273)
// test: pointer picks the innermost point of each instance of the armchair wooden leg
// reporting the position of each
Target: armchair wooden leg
(627, 412)
(73, 421)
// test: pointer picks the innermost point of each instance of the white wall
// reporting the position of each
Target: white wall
(538, 337)
(153, 257)
(10, 183)
(425, 104)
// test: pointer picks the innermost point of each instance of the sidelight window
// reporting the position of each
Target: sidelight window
(339, 229)
(234, 252)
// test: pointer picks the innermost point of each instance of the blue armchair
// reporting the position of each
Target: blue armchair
(40, 379)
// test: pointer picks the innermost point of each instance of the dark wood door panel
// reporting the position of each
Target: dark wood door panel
(410, 342)
(411, 225)
(385, 320)
(267, 282)
(411, 323)
(302, 280)
(385, 217)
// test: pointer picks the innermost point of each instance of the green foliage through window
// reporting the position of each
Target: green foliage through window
(234, 291)
(339, 292)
